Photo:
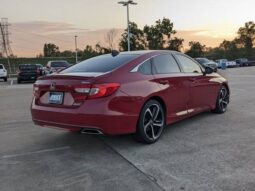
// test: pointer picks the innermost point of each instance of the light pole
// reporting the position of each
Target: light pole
(126, 3)
(76, 50)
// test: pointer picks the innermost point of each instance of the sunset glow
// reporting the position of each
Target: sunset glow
(208, 21)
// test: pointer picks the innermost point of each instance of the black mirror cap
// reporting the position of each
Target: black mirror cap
(208, 70)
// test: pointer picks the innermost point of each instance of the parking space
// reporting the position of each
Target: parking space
(205, 152)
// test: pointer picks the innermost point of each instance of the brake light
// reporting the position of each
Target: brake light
(102, 90)
(36, 91)
(88, 91)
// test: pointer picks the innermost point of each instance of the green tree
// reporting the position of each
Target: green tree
(175, 44)
(137, 39)
(196, 49)
(159, 35)
(50, 50)
(246, 36)
(230, 49)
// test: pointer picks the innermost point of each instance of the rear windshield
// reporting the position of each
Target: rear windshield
(202, 60)
(28, 67)
(59, 64)
(101, 64)
(1, 66)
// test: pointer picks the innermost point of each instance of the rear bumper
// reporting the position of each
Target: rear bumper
(92, 114)
(32, 77)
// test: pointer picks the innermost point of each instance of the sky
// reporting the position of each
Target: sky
(35, 22)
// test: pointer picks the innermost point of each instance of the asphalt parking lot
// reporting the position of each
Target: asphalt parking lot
(206, 152)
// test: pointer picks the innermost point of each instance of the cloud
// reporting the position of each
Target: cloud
(28, 38)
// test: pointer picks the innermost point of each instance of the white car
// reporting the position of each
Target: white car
(3, 72)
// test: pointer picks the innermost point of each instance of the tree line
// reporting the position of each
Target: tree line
(161, 36)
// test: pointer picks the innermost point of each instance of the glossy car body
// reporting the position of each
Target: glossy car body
(181, 94)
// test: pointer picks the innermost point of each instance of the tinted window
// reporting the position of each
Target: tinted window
(1, 66)
(101, 64)
(165, 64)
(145, 68)
(59, 64)
(202, 60)
(188, 65)
(27, 67)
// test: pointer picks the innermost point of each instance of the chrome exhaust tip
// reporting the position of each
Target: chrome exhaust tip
(91, 131)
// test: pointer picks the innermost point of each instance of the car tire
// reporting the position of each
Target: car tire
(222, 100)
(5, 79)
(18, 81)
(151, 122)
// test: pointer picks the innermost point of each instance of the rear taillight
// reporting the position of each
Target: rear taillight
(102, 90)
(38, 71)
(36, 91)
(88, 91)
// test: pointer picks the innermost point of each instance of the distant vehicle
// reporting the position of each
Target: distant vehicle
(228, 64)
(205, 62)
(220, 62)
(232, 64)
(3, 73)
(56, 66)
(29, 72)
(242, 62)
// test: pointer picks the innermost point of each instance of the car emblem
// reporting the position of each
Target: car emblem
(53, 86)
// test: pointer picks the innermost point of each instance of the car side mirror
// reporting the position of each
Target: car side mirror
(208, 70)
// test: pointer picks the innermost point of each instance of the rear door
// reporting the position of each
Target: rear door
(174, 86)
(201, 88)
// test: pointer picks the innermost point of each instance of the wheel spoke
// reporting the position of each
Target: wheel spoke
(156, 112)
(225, 102)
(147, 125)
(158, 123)
(152, 132)
(149, 111)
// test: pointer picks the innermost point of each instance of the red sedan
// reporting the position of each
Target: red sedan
(136, 92)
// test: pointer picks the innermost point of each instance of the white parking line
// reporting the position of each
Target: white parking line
(35, 152)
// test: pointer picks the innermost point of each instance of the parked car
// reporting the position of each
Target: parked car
(29, 72)
(136, 92)
(221, 62)
(3, 73)
(228, 64)
(205, 62)
(232, 64)
(242, 62)
(56, 66)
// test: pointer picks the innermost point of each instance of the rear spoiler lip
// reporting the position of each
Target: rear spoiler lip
(78, 76)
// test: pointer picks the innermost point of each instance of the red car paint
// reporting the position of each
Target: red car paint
(181, 94)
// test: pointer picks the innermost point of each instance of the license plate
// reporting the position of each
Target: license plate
(56, 98)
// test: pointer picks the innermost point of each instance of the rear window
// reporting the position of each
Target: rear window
(27, 67)
(202, 60)
(1, 67)
(101, 64)
(57, 64)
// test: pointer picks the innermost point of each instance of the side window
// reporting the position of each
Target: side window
(145, 68)
(188, 65)
(165, 64)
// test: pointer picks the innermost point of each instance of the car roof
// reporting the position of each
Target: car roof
(142, 52)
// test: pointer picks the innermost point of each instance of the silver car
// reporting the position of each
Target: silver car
(206, 62)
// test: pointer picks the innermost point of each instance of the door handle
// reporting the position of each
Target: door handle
(164, 82)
